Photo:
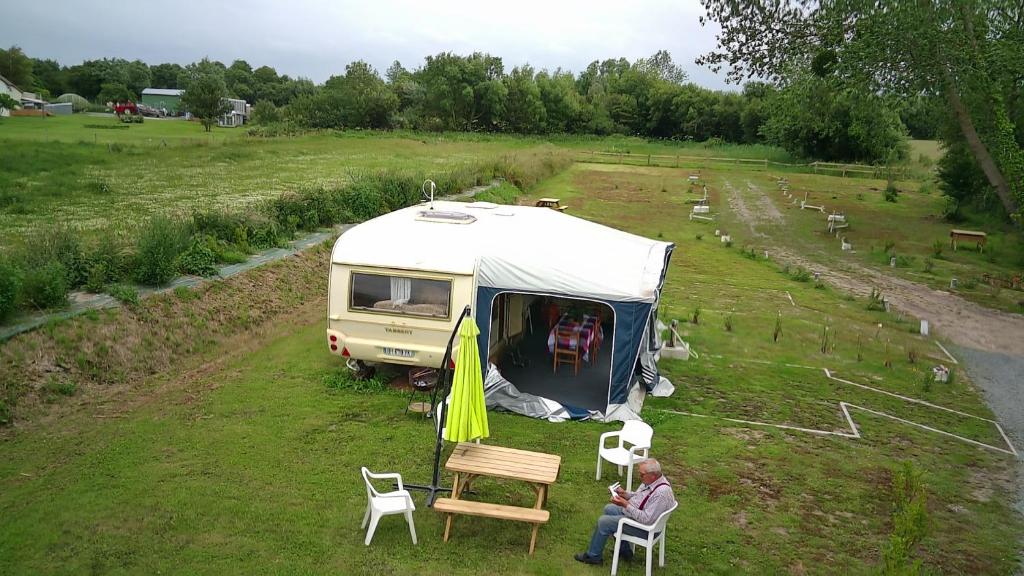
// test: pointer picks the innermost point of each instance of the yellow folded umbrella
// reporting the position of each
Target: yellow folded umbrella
(467, 412)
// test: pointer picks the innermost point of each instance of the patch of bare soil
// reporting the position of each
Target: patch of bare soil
(104, 358)
(963, 322)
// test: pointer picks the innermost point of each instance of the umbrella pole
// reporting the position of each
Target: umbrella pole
(433, 488)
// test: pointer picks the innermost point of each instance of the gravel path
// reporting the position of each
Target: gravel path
(999, 376)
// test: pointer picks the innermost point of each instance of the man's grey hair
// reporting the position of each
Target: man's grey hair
(652, 465)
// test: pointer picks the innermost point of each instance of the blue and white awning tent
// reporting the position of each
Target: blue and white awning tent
(623, 271)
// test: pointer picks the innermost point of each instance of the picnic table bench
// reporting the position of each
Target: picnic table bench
(975, 236)
(470, 461)
(553, 203)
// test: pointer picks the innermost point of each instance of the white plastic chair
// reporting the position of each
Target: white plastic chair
(638, 436)
(655, 536)
(384, 503)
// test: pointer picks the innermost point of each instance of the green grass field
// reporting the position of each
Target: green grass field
(249, 462)
(54, 173)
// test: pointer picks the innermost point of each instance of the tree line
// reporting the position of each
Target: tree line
(649, 97)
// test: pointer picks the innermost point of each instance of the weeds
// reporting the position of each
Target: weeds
(929, 266)
(777, 332)
(695, 319)
(937, 247)
(912, 355)
(10, 285)
(729, 322)
(828, 339)
(46, 286)
(344, 380)
(875, 300)
(125, 295)
(699, 236)
(159, 245)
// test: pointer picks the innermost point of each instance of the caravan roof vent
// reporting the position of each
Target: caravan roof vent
(445, 216)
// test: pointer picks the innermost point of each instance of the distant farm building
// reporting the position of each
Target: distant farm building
(168, 99)
(237, 116)
(59, 109)
(7, 87)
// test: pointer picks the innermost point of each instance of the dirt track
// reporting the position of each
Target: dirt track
(960, 321)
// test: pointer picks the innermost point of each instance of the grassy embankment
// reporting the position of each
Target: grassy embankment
(251, 461)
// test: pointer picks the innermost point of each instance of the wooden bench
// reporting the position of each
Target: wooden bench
(470, 508)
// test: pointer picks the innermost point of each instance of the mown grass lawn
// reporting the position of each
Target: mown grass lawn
(251, 464)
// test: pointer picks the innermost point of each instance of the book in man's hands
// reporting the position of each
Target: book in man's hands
(613, 487)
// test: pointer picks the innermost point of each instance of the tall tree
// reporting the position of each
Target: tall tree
(524, 109)
(49, 77)
(963, 49)
(16, 67)
(239, 80)
(205, 92)
(165, 75)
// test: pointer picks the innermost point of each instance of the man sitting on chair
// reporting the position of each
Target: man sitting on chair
(652, 498)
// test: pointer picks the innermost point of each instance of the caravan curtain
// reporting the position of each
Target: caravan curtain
(401, 290)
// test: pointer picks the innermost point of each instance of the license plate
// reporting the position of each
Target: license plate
(399, 352)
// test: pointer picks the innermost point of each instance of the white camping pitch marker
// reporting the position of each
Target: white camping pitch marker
(854, 431)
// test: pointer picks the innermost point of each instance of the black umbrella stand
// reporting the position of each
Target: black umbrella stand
(445, 380)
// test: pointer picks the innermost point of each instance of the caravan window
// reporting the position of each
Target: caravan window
(404, 295)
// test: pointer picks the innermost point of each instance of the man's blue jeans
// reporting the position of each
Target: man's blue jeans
(607, 525)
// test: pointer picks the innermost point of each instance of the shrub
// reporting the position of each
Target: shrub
(275, 129)
(365, 202)
(929, 265)
(890, 245)
(160, 243)
(264, 112)
(46, 286)
(801, 275)
(729, 322)
(909, 522)
(696, 315)
(937, 247)
(199, 259)
(10, 285)
(700, 236)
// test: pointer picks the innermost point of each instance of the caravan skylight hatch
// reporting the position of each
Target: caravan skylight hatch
(449, 217)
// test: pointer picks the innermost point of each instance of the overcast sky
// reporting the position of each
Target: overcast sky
(317, 38)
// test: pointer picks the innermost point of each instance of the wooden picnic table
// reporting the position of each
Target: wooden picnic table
(956, 236)
(470, 461)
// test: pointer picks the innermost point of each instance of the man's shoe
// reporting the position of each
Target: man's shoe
(588, 559)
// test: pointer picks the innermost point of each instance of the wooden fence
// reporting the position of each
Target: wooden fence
(683, 161)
